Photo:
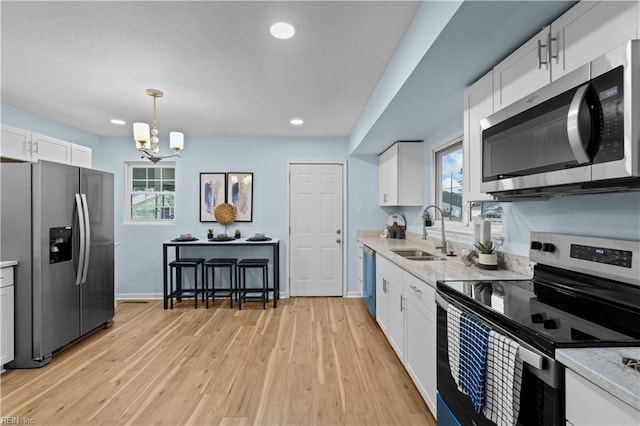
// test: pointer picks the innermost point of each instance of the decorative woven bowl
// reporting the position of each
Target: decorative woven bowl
(225, 213)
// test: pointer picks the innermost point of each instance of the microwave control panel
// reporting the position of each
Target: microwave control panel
(609, 89)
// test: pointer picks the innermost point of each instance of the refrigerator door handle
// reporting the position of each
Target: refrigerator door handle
(87, 234)
(81, 253)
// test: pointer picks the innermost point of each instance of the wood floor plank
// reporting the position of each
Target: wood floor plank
(312, 361)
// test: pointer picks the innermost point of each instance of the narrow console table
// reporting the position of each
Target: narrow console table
(273, 243)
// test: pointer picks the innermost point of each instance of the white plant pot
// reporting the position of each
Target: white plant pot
(488, 261)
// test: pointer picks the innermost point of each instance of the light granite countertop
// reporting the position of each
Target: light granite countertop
(603, 367)
(450, 268)
(7, 263)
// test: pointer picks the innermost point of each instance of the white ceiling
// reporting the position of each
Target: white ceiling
(83, 63)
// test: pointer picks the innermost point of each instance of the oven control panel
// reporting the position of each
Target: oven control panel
(602, 255)
(605, 257)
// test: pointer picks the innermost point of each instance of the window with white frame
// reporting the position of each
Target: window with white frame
(150, 193)
(449, 180)
(490, 210)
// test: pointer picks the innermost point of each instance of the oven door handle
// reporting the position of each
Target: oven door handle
(525, 354)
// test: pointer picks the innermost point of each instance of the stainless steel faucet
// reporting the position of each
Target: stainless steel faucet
(444, 240)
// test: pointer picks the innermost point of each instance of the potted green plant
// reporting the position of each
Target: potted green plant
(238, 234)
(209, 233)
(427, 219)
(487, 257)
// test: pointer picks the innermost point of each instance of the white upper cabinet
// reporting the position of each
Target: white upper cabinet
(50, 149)
(478, 104)
(522, 72)
(15, 143)
(584, 32)
(24, 145)
(401, 175)
(590, 29)
(80, 156)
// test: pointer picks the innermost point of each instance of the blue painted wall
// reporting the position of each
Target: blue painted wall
(139, 253)
(29, 121)
(139, 249)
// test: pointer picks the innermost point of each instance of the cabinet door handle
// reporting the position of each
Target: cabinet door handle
(384, 285)
(550, 40)
(416, 289)
(401, 304)
(549, 54)
(540, 46)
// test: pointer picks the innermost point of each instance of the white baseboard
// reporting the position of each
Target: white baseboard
(138, 296)
(354, 293)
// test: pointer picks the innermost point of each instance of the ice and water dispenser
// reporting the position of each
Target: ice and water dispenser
(60, 248)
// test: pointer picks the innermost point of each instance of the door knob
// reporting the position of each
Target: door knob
(338, 232)
(338, 240)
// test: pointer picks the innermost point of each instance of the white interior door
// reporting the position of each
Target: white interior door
(316, 229)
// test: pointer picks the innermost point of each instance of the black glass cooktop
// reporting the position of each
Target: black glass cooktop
(556, 308)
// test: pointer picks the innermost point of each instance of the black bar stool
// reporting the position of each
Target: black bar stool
(212, 264)
(245, 264)
(178, 265)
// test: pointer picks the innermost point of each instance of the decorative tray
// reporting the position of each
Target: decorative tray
(185, 240)
(259, 239)
(222, 239)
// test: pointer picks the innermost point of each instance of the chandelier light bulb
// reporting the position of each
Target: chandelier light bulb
(176, 140)
(141, 133)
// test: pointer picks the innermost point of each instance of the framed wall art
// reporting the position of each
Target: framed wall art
(212, 193)
(240, 194)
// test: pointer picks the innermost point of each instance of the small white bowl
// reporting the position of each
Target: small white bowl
(258, 236)
(185, 236)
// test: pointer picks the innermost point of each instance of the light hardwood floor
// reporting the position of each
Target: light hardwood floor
(317, 361)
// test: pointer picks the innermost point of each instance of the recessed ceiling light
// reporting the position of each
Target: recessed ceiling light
(118, 121)
(296, 121)
(282, 30)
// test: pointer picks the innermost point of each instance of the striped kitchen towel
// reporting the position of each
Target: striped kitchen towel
(504, 379)
(453, 341)
(474, 338)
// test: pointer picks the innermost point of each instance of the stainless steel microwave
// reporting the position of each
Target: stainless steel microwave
(579, 134)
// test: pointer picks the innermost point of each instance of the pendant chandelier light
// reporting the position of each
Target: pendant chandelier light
(147, 138)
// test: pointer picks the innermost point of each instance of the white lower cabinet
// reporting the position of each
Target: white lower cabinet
(6, 316)
(405, 311)
(420, 337)
(385, 273)
(395, 328)
(589, 404)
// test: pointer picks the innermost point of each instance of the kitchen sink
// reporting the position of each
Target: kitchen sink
(416, 254)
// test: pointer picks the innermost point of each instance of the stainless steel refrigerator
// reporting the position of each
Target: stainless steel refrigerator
(57, 222)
